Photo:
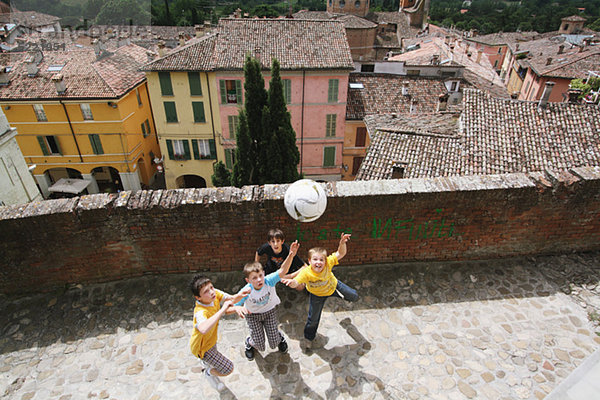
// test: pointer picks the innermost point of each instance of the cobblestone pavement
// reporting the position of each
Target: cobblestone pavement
(496, 329)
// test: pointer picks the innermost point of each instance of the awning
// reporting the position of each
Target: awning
(69, 185)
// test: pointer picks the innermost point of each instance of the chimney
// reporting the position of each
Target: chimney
(405, 88)
(545, 95)
(479, 53)
(32, 62)
(181, 39)
(561, 48)
(442, 102)
(517, 47)
(199, 30)
(413, 106)
(150, 55)
(161, 48)
(573, 95)
(59, 83)
(4, 78)
(435, 59)
(99, 47)
(549, 61)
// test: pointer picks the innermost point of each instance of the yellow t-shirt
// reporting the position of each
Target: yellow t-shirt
(322, 284)
(199, 343)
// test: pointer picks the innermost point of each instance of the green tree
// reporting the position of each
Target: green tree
(595, 26)
(221, 176)
(123, 12)
(245, 154)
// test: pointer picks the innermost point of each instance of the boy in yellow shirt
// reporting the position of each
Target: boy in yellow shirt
(207, 313)
(321, 283)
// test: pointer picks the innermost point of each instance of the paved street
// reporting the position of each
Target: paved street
(496, 329)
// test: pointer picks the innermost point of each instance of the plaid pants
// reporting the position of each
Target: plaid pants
(213, 358)
(261, 323)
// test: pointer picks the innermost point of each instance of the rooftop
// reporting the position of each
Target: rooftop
(493, 136)
(29, 19)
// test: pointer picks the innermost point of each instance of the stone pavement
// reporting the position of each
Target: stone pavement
(495, 329)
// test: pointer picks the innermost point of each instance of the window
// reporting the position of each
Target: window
(170, 111)
(367, 68)
(356, 161)
(49, 145)
(234, 121)
(139, 98)
(330, 126)
(40, 114)
(453, 86)
(86, 112)
(287, 90)
(329, 156)
(496, 64)
(231, 91)
(357, 4)
(361, 135)
(96, 144)
(198, 108)
(229, 158)
(166, 89)
(204, 148)
(178, 149)
(413, 72)
(499, 50)
(342, 3)
(146, 128)
(332, 93)
(195, 86)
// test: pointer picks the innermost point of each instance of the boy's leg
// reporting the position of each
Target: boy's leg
(271, 322)
(316, 304)
(345, 292)
(217, 364)
(257, 332)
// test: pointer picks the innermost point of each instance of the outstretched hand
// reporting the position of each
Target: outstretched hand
(344, 237)
(241, 311)
(294, 247)
(245, 292)
(288, 282)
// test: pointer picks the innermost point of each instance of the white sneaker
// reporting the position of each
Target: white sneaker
(214, 381)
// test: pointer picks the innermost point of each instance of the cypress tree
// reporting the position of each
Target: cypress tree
(245, 154)
(221, 176)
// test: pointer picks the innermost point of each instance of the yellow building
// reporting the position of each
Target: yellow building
(185, 100)
(83, 113)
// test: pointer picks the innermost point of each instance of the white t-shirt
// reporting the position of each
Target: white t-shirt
(265, 299)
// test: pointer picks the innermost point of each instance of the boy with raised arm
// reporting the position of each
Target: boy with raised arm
(321, 283)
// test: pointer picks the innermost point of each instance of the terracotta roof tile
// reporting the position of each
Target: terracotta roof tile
(494, 136)
(196, 55)
(29, 19)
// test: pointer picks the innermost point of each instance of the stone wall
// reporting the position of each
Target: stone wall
(102, 237)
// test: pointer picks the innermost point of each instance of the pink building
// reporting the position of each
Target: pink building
(315, 64)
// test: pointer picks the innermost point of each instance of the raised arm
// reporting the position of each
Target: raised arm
(207, 325)
(341, 251)
(285, 266)
(256, 257)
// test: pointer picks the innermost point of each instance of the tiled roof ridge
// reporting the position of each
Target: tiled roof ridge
(95, 65)
(192, 42)
(419, 132)
(574, 60)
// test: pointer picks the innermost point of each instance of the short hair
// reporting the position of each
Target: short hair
(251, 267)
(275, 234)
(198, 282)
(315, 250)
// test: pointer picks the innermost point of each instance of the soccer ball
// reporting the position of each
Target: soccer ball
(305, 200)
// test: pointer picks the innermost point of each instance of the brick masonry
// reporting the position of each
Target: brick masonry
(104, 237)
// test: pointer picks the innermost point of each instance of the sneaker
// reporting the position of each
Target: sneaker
(282, 346)
(249, 350)
(214, 381)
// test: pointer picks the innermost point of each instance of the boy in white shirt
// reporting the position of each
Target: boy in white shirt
(260, 306)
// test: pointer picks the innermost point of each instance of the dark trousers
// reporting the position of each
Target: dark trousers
(316, 307)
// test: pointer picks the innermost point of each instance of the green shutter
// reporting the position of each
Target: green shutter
(186, 149)
(96, 144)
(57, 145)
(233, 121)
(329, 156)
(166, 89)
(198, 108)
(238, 91)
(287, 90)
(195, 149)
(170, 150)
(330, 125)
(332, 95)
(228, 158)
(213, 149)
(147, 123)
(144, 130)
(223, 88)
(43, 146)
(170, 111)
(195, 86)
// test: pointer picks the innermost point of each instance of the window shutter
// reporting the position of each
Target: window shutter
(238, 91)
(287, 90)
(42, 142)
(329, 156)
(57, 145)
(166, 89)
(223, 89)
(170, 149)
(195, 86)
(361, 135)
(96, 144)
(198, 109)
(332, 95)
(144, 130)
(228, 158)
(186, 149)
(195, 149)
(170, 111)
(213, 149)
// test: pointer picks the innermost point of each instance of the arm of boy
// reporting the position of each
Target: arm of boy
(285, 267)
(206, 325)
(256, 257)
(241, 311)
(341, 251)
(240, 295)
(290, 282)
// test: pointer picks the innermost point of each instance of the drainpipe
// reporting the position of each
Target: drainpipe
(72, 131)
(212, 120)
(302, 121)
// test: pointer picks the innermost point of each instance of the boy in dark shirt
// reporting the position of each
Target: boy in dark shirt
(277, 251)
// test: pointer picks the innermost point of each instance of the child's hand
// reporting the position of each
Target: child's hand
(344, 238)
(288, 282)
(241, 311)
(227, 304)
(244, 292)
(294, 248)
